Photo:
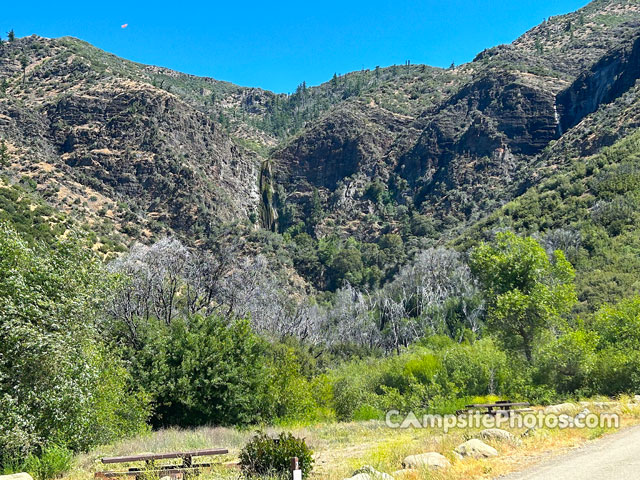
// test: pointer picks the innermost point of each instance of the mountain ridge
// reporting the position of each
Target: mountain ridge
(395, 159)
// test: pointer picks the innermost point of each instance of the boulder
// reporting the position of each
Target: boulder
(369, 473)
(16, 476)
(583, 414)
(498, 434)
(431, 460)
(360, 476)
(475, 448)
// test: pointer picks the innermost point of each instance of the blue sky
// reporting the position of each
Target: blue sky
(278, 45)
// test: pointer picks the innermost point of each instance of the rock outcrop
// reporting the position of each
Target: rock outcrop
(16, 476)
(608, 79)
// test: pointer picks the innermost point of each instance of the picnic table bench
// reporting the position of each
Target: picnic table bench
(503, 407)
(176, 472)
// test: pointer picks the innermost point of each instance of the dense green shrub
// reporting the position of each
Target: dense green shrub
(566, 363)
(205, 371)
(435, 377)
(265, 455)
(51, 464)
(527, 292)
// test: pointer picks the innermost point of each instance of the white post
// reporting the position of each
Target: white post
(296, 473)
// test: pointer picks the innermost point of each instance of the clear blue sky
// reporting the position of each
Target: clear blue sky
(277, 45)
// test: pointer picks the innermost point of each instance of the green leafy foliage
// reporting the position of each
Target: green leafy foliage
(58, 382)
(51, 464)
(265, 455)
(203, 370)
(527, 292)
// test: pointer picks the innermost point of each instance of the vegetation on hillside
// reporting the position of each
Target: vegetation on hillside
(203, 349)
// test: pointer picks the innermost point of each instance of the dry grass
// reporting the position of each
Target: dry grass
(342, 448)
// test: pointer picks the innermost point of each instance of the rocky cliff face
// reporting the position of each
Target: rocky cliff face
(141, 143)
(478, 146)
(606, 80)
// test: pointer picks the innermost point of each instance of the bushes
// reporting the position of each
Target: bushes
(204, 370)
(264, 455)
(58, 382)
(53, 463)
(566, 363)
(617, 361)
(424, 378)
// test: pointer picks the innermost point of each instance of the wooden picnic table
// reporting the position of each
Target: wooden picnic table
(174, 471)
(504, 406)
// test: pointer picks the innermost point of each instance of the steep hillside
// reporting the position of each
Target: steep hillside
(118, 147)
(475, 147)
(354, 175)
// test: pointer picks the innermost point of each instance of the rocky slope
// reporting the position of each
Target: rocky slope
(117, 147)
(472, 150)
(410, 150)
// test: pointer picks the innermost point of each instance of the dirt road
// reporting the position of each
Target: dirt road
(614, 457)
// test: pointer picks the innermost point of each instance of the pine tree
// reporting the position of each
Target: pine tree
(4, 155)
(539, 47)
(11, 36)
(316, 210)
(24, 61)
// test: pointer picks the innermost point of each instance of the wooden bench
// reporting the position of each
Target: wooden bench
(503, 407)
(176, 472)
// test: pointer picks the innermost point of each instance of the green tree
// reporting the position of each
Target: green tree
(204, 370)
(24, 63)
(539, 47)
(58, 381)
(316, 212)
(4, 155)
(392, 248)
(345, 265)
(11, 36)
(527, 292)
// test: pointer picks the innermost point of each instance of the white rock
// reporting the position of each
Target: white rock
(369, 473)
(16, 476)
(476, 449)
(369, 476)
(360, 476)
(636, 398)
(497, 434)
(431, 460)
